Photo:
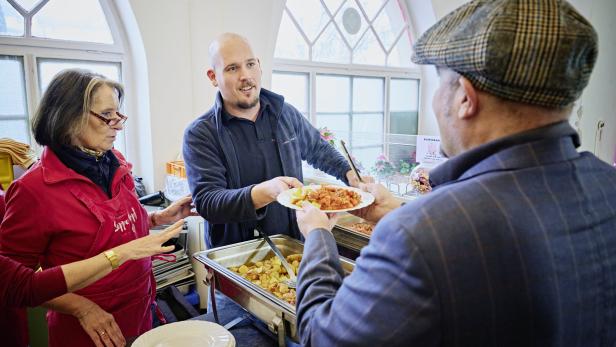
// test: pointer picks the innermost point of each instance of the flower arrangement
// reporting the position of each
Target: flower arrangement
(420, 179)
(383, 167)
(328, 136)
(405, 167)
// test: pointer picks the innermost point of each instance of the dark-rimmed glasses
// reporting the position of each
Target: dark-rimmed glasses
(121, 119)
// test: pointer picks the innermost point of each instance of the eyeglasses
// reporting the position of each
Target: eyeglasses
(121, 119)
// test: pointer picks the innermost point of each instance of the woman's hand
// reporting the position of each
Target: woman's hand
(100, 326)
(310, 218)
(150, 245)
(180, 208)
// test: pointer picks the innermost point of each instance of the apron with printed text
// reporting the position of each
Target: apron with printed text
(128, 291)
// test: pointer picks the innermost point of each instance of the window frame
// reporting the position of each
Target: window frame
(312, 68)
(33, 50)
(387, 73)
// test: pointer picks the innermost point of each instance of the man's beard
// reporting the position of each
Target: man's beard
(248, 105)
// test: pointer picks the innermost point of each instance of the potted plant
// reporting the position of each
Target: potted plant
(382, 168)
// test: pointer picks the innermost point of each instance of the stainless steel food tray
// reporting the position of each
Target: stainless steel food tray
(348, 237)
(279, 316)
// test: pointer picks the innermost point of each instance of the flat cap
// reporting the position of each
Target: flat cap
(539, 52)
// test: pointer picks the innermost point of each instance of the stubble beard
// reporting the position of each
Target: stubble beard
(248, 105)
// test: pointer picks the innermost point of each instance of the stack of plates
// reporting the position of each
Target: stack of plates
(178, 273)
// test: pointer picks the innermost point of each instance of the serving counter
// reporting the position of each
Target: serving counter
(278, 315)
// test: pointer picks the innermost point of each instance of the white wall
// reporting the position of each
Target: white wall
(599, 99)
(175, 36)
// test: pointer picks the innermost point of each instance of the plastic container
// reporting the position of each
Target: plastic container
(420, 179)
(176, 168)
(176, 184)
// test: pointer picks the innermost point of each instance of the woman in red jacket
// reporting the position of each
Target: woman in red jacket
(78, 201)
(22, 286)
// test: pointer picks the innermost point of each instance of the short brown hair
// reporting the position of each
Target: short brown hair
(64, 107)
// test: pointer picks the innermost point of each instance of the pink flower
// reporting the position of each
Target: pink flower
(328, 135)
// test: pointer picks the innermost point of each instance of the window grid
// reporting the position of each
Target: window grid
(405, 29)
(34, 50)
(387, 76)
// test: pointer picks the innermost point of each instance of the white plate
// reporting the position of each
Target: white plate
(284, 198)
(190, 333)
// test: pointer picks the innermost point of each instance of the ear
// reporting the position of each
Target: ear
(469, 103)
(212, 76)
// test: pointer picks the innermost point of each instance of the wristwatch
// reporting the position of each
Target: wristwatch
(113, 259)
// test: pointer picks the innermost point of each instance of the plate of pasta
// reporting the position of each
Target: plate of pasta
(326, 198)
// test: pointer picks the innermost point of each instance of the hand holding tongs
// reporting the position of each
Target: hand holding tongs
(292, 282)
(351, 161)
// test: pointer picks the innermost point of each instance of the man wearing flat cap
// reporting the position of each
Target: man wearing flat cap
(516, 244)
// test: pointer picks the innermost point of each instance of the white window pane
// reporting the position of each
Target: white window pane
(389, 24)
(367, 94)
(333, 93)
(294, 88)
(369, 51)
(15, 129)
(83, 21)
(331, 48)
(11, 22)
(12, 90)
(405, 151)
(403, 122)
(336, 123)
(404, 95)
(366, 157)
(371, 7)
(351, 22)
(49, 68)
(310, 15)
(28, 4)
(400, 55)
(333, 5)
(290, 43)
(367, 130)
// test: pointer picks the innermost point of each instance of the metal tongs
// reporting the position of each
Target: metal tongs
(351, 161)
(292, 281)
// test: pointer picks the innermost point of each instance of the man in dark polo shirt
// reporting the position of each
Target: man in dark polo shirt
(248, 148)
(516, 244)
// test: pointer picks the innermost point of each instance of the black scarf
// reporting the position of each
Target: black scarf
(100, 171)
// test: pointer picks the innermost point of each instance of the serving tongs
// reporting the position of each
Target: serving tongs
(292, 281)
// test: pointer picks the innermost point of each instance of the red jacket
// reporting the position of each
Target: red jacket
(53, 222)
(55, 216)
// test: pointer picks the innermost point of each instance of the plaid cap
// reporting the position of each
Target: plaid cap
(538, 52)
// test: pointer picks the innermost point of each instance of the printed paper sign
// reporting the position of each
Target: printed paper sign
(429, 150)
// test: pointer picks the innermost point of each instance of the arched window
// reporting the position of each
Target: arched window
(38, 38)
(346, 65)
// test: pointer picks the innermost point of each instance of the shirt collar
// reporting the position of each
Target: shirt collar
(456, 167)
(227, 117)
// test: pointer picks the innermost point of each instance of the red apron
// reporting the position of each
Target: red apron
(128, 292)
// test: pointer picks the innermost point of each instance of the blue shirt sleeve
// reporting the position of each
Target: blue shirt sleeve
(316, 151)
(388, 300)
(208, 184)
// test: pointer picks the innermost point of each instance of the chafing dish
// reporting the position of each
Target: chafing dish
(279, 315)
(346, 236)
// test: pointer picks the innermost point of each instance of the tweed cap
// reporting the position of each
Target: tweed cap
(538, 52)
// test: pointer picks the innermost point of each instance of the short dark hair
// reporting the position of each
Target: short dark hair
(64, 108)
